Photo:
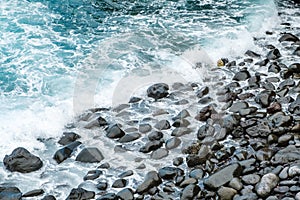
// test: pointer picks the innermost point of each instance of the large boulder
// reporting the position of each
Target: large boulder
(21, 160)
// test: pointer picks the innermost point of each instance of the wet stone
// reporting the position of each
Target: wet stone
(183, 114)
(280, 119)
(119, 183)
(92, 175)
(108, 196)
(49, 197)
(155, 135)
(263, 62)
(188, 181)
(102, 185)
(126, 174)
(33, 193)
(288, 37)
(65, 152)
(159, 153)
(196, 173)
(172, 143)
(274, 68)
(129, 137)
(151, 146)
(181, 123)
(265, 98)
(236, 107)
(151, 180)
(205, 113)
(189, 192)
(10, 193)
(90, 155)
(168, 172)
(144, 128)
(205, 100)
(202, 92)
(162, 125)
(180, 131)
(114, 131)
(80, 194)
(104, 166)
(274, 107)
(286, 84)
(273, 54)
(252, 54)
(126, 194)
(294, 107)
(284, 139)
(158, 91)
(68, 137)
(21, 160)
(260, 129)
(134, 99)
(178, 161)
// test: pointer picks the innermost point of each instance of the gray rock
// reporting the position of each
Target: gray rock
(265, 98)
(21, 160)
(119, 183)
(266, 185)
(252, 54)
(236, 184)
(158, 91)
(92, 175)
(49, 197)
(202, 92)
(284, 173)
(169, 172)
(241, 75)
(183, 114)
(126, 194)
(196, 173)
(188, 181)
(294, 170)
(273, 54)
(172, 143)
(33, 193)
(223, 176)
(144, 128)
(155, 135)
(151, 146)
(114, 131)
(286, 155)
(162, 125)
(65, 152)
(297, 197)
(10, 193)
(80, 194)
(226, 193)
(251, 179)
(90, 155)
(68, 137)
(189, 192)
(151, 180)
(129, 137)
(180, 131)
(159, 154)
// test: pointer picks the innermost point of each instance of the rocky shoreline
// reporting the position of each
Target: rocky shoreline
(236, 137)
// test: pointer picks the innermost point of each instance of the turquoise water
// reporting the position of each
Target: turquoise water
(46, 47)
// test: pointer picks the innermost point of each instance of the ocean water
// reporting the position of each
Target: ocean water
(58, 58)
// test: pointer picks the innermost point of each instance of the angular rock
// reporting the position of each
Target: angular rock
(152, 179)
(223, 176)
(280, 119)
(205, 113)
(92, 175)
(180, 131)
(169, 173)
(21, 160)
(80, 194)
(68, 137)
(119, 183)
(172, 143)
(241, 75)
(158, 91)
(10, 193)
(129, 137)
(202, 92)
(151, 146)
(90, 155)
(155, 135)
(267, 183)
(183, 114)
(114, 131)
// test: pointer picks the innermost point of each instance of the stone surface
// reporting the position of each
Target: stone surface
(10, 193)
(90, 155)
(223, 176)
(151, 180)
(226, 193)
(21, 160)
(33, 193)
(267, 183)
(80, 194)
(114, 131)
(158, 91)
(126, 194)
(68, 137)
(189, 192)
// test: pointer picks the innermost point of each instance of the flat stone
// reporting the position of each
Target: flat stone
(236, 184)
(251, 179)
(144, 128)
(180, 131)
(159, 154)
(223, 176)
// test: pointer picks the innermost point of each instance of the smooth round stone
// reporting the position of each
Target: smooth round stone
(226, 193)
(159, 153)
(267, 183)
(108, 196)
(172, 143)
(190, 191)
(102, 185)
(158, 91)
(251, 179)
(144, 128)
(82, 193)
(281, 189)
(284, 139)
(104, 166)
(196, 173)
(119, 183)
(151, 180)
(68, 137)
(126, 174)
(181, 102)
(129, 137)
(242, 75)
(141, 166)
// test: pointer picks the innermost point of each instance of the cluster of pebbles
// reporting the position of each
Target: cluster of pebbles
(236, 137)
